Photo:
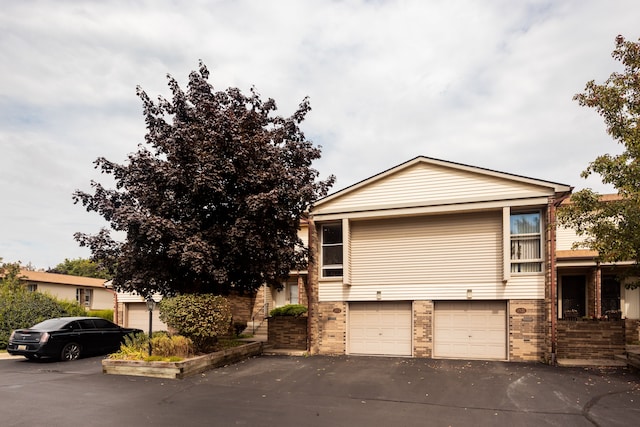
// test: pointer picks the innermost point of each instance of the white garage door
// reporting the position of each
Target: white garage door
(137, 316)
(380, 328)
(470, 330)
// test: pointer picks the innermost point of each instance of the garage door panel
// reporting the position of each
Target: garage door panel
(380, 328)
(470, 329)
(137, 316)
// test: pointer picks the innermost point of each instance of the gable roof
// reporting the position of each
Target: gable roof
(424, 181)
(61, 279)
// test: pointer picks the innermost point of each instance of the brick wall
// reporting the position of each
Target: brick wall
(241, 306)
(590, 339)
(527, 330)
(632, 331)
(288, 332)
(422, 328)
(332, 327)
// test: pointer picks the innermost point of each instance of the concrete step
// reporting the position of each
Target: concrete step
(592, 362)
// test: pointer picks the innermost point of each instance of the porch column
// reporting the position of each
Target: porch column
(598, 291)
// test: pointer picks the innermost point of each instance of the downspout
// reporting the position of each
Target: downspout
(554, 274)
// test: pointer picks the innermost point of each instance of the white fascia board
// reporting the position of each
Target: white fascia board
(539, 203)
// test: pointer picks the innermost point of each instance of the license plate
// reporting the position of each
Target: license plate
(22, 347)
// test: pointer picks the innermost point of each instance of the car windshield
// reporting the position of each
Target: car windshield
(51, 324)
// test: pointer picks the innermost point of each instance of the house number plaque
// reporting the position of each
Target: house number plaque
(521, 310)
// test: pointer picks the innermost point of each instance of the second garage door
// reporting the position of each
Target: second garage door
(470, 330)
(137, 316)
(380, 328)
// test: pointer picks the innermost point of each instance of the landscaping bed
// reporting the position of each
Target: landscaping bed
(184, 368)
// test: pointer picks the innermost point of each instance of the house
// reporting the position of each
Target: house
(591, 289)
(132, 311)
(435, 259)
(87, 291)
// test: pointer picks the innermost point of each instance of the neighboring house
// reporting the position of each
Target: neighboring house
(254, 309)
(589, 288)
(132, 311)
(293, 289)
(434, 259)
(87, 291)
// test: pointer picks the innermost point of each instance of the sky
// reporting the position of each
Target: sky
(483, 83)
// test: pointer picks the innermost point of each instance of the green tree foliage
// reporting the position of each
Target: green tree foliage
(20, 308)
(202, 318)
(612, 227)
(212, 201)
(81, 267)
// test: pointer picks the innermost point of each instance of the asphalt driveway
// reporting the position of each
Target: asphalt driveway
(321, 391)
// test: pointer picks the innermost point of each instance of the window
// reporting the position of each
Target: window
(526, 243)
(332, 250)
(293, 294)
(84, 296)
(32, 287)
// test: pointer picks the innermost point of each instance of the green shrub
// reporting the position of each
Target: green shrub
(200, 317)
(20, 308)
(135, 347)
(105, 314)
(72, 308)
(289, 310)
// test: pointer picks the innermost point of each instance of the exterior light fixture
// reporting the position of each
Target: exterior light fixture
(151, 304)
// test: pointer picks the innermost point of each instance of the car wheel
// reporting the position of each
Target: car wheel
(71, 351)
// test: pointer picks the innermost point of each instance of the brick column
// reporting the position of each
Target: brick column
(311, 288)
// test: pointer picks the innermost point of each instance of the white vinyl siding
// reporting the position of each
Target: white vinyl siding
(430, 258)
(380, 328)
(428, 250)
(470, 330)
(565, 238)
(425, 184)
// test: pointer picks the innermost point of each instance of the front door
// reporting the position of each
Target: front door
(574, 295)
(289, 294)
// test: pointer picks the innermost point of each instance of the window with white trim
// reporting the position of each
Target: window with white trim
(332, 250)
(526, 242)
(84, 296)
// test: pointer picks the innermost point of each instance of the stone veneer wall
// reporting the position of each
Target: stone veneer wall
(590, 339)
(288, 332)
(422, 328)
(332, 328)
(527, 330)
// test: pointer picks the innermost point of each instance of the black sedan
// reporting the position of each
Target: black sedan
(67, 338)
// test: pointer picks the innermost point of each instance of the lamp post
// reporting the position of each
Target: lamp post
(150, 306)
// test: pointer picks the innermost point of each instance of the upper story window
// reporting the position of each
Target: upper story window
(526, 242)
(332, 250)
